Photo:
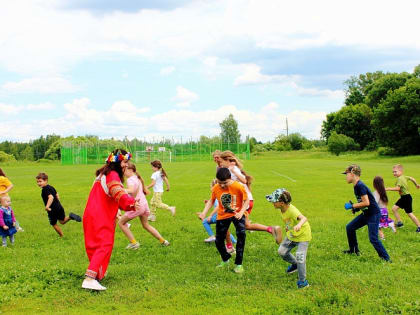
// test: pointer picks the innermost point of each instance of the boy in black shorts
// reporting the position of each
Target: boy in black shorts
(406, 201)
(52, 204)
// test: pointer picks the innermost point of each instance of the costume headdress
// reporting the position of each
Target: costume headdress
(118, 157)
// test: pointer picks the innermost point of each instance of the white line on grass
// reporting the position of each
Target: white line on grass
(284, 176)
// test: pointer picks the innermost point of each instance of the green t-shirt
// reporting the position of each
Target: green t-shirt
(403, 184)
(290, 219)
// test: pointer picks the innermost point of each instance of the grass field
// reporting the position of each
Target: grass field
(43, 274)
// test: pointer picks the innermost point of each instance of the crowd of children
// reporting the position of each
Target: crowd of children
(232, 203)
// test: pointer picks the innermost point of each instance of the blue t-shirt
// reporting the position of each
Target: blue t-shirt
(360, 189)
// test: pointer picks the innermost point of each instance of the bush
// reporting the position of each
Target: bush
(338, 143)
(386, 151)
(4, 157)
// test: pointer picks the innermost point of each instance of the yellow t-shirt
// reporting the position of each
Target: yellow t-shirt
(230, 199)
(290, 219)
(4, 183)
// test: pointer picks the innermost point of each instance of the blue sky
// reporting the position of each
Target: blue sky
(177, 68)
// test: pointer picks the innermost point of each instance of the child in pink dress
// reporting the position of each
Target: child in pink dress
(136, 188)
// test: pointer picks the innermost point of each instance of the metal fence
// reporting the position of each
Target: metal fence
(166, 151)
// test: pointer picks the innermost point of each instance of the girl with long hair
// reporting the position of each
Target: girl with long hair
(382, 200)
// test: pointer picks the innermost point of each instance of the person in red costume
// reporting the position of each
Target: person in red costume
(106, 196)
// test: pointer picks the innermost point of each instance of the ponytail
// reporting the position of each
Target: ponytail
(158, 165)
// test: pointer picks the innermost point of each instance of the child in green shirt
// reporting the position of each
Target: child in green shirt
(406, 201)
(298, 233)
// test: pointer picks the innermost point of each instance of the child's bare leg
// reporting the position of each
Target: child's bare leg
(255, 226)
(228, 239)
(381, 233)
(58, 230)
(149, 228)
(124, 228)
(414, 219)
(395, 210)
(66, 219)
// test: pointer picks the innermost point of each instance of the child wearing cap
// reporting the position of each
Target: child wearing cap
(406, 201)
(298, 233)
(370, 215)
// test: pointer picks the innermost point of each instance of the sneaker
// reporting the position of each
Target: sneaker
(231, 250)
(399, 224)
(173, 210)
(302, 284)
(92, 285)
(19, 229)
(75, 217)
(152, 218)
(357, 253)
(291, 269)
(238, 269)
(166, 243)
(277, 234)
(223, 264)
(128, 225)
(133, 246)
(418, 230)
(210, 239)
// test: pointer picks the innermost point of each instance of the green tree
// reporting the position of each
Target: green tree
(396, 120)
(338, 143)
(358, 87)
(229, 130)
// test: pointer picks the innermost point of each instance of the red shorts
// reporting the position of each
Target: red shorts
(251, 205)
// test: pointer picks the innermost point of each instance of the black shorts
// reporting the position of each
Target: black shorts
(56, 214)
(405, 202)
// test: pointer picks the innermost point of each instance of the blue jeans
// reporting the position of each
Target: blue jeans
(372, 221)
(209, 231)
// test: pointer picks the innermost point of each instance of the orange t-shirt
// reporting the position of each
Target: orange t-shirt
(230, 199)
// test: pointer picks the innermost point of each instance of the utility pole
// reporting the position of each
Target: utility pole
(287, 128)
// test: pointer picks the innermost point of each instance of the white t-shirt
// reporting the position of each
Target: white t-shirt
(380, 203)
(157, 177)
(236, 179)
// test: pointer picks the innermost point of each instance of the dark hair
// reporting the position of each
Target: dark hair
(113, 166)
(286, 197)
(2, 173)
(158, 164)
(378, 184)
(132, 167)
(223, 174)
(42, 176)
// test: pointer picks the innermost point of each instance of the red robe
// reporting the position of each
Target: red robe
(106, 196)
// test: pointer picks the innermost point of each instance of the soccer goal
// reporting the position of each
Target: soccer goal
(148, 155)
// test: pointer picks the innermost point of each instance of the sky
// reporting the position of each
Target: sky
(166, 68)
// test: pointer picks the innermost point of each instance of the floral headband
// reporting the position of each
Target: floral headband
(118, 157)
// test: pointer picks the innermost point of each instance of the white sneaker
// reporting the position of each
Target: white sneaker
(92, 285)
(152, 218)
(166, 243)
(128, 225)
(133, 246)
(172, 209)
(210, 239)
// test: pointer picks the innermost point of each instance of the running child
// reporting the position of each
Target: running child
(158, 177)
(52, 204)
(382, 199)
(298, 234)
(7, 221)
(370, 215)
(233, 202)
(137, 190)
(406, 201)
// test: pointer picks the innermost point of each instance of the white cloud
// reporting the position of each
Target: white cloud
(123, 118)
(184, 97)
(167, 70)
(41, 106)
(7, 109)
(42, 85)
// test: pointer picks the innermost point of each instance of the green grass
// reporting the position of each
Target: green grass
(43, 274)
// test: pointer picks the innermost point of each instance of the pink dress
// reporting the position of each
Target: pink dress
(133, 181)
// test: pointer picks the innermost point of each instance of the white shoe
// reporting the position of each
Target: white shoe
(133, 246)
(152, 218)
(166, 243)
(128, 225)
(210, 239)
(92, 285)
(172, 209)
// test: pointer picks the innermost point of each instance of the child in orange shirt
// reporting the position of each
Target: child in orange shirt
(233, 202)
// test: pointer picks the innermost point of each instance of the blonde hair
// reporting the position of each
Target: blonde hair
(230, 156)
(216, 153)
(398, 166)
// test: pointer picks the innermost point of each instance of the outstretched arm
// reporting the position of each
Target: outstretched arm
(151, 184)
(414, 181)
(165, 179)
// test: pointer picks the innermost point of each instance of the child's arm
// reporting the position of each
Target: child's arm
(4, 226)
(396, 188)
(49, 202)
(245, 206)
(151, 184)
(206, 209)
(414, 181)
(8, 188)
(13, 216)
(302, 219)
(165, 179)
(240, 176)
(131, 190)
(364, 203)
(58, 196)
